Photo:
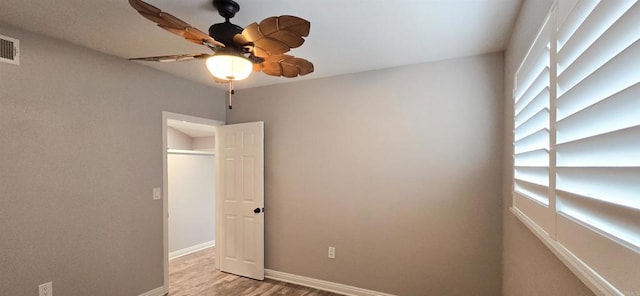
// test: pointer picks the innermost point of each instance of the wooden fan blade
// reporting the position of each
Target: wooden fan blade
(286, 29)
(270, 47)
(170, 19)
(304, 67)
(294, 23)
(272, 69)
(263, 45)
(289, 71)
(240, 40)
(174, 58)
(276, 35)
(257, 67)
(142, 6)
(173, 24)
(189, 33)
(290, 23)
(292, 40)
(252, 33)
(156, 15)
(156, 18)
(287, 66)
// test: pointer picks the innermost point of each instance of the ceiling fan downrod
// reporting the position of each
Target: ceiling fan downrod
(224, 32)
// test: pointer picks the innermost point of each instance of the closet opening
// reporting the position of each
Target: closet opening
(189, 188)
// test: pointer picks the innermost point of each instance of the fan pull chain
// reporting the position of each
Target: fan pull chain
(231, 92)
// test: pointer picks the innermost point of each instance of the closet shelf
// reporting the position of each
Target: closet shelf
(190, 152)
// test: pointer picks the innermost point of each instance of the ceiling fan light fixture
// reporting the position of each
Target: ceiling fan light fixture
(237, 52)
(227, 66)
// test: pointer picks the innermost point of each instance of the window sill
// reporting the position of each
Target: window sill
(590, 278)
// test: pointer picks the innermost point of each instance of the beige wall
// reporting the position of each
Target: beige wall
(191, 193)
(529, 267)
(398, 169)
(204, 143)
(191, 201)
(80, 151)
(178, 140)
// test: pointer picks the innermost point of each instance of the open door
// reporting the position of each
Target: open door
(240, 199)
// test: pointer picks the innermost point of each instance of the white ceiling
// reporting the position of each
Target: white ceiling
(346, 36)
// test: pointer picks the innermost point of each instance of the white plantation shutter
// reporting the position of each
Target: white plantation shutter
(598, 139)
(531, 132)
(593, 200)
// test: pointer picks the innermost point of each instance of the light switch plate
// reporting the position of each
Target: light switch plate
(157, 193)
(332, 253)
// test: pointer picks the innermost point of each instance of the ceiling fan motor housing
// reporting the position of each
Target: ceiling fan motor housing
(224, 33)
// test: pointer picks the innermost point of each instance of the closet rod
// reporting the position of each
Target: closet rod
(189, 152)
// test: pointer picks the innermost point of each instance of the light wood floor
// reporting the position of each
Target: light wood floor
(195, 274)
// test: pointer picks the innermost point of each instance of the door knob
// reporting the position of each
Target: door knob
(257, 210)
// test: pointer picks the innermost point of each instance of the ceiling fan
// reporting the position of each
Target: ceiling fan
(236, 52)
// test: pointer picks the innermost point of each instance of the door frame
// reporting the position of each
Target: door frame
(165, 177)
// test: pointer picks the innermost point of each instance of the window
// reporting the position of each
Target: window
(577, 141)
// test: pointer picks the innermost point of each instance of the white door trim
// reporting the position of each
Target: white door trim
(165, 202)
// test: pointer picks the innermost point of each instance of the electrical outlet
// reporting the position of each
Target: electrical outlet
(45, 289)
(332, 253)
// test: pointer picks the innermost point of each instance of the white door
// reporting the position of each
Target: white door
(240, 199)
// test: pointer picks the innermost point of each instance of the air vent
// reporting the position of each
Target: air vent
(9, 50)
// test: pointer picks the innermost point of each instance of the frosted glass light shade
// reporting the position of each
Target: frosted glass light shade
(229, 67)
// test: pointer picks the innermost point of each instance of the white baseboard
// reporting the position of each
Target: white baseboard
(320, 284)
(192, 249)
(159, 291)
